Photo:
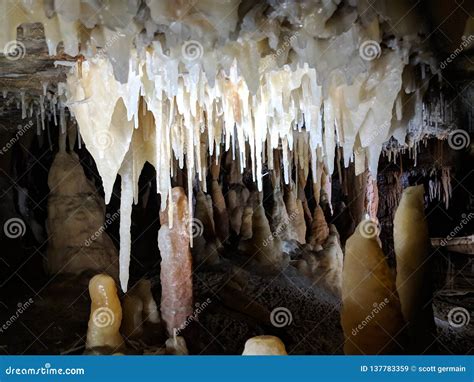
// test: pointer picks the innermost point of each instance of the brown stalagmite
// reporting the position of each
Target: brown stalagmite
(368, 290)
(132, 307)
(295, 211)
(264, 245)
(264, 345)
(142, 289)
(205, 243)
(176, 262)
(331, 262)
(280, 219)
(221, 217)
(411, 242)
(106, 315)
(319, 228)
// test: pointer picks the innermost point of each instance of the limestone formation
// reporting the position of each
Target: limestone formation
(176, 262)
(76, 221)
(371, 315)
(264, 345)
(105, 317)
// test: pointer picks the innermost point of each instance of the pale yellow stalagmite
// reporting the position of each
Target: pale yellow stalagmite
(371, 315)
(411, 242)
(132, 310)
(105, 317)
(264, 345)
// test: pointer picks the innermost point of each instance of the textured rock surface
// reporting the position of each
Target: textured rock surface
(76, 221)
(176, 262)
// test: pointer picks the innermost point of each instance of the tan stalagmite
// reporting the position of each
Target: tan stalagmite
(319, 228)
(264, 345)
(411, 242)
(106, 314)
(205, 243)
(132, 322)
(264, 245)
(221, 217)
(176, 345)
(76, 220)
(142, 289)
(176, 261)
(294, 208)
(331, 262)
(368, 290)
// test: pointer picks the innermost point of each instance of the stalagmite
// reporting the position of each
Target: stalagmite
(142, 289)
(205, 244)
(76, 221)
(294, 209)
(176, 345)
(132, 309)
(221, 217)
(264, 345)
(264, 245)
(371, 314)
(319, 228)
(411, 242)
(331, 262)
(176, 261)
(280, 218)
(105, 317)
